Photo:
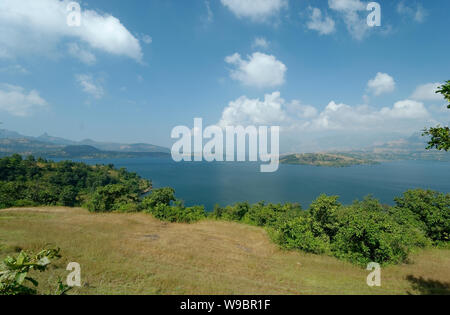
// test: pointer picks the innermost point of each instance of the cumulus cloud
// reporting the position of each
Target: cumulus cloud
(323, 25)
(260, 42)
(81, 54)
(427, 92)
(18, 102)
(382, 83)
(403, 116)
(255, 10)
(245, 111)
(417, 12)
(260, 70)
(350, 11)
(14, 69)
(89, 85)
(30, 26)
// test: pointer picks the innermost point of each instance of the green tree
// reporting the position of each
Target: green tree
(440, 136)
(431, 211)
(161, 196)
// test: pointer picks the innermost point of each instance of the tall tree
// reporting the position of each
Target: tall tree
(440, 136)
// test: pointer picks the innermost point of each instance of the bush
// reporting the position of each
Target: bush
(324, 211)
(368, 233)
(14, 272)
(235, 212)
(161, 196)
(178, 213)
(302, 233)
(158, 203)
(271, 215)
(111, 198)
(428, 210)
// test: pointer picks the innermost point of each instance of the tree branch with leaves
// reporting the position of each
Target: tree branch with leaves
(440, 136)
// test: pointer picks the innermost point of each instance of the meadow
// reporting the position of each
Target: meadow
(134, 253)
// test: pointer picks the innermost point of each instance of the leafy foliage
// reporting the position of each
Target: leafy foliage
(14, 272)
(440, 136)
(363, 232)
(159, 204)
(427, 210)
(367, 232)
(31, 182)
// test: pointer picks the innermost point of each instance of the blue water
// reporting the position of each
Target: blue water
(226, 183)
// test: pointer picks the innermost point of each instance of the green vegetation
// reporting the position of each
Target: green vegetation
(31, 182)
(440, 136)
(363, 232)
(322, 159)
(14, 273)
(158, 203)
(134, 253)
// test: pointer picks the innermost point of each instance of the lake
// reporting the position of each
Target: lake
(226, 183)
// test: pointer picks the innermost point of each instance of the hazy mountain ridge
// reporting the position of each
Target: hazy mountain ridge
(48, 146)
(410, 148)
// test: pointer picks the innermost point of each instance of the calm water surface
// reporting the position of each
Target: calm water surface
(226, 183)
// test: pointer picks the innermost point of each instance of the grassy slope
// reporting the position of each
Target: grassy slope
(136, 254)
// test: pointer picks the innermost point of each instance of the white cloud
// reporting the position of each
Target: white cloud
(417, 13)
(403, 116)
(427, 92)
(30, 26)
(245, 111)
(338, 125)
(90, 86)
(382, 83)
(210, 14)
(260, 70)
(146, 39)
(83, 55)
(14, 69)
(323, 25)
(346, 5)
(260, 42)
(18, 102)
(255, 10)
(355, 21)
(408, 109)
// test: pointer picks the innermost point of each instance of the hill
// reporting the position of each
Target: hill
(53, 147)
(136, 254)
(14, 142)
(324, 159)
(410, 148)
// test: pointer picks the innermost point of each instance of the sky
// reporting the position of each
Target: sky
(133, 70)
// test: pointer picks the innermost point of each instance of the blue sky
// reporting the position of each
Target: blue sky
(136, 69)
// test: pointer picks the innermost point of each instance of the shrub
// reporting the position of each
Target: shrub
(159, 196)
(235, 212)
(367, 233)
(324, 211)
(158, 203)
(430, 209)
(271, 215)
(302, 233)
(14, 272)
(111, 198)
(177, 213)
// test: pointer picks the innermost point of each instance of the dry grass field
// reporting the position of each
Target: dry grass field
(136, 254)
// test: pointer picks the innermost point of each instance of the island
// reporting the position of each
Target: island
(324, 159)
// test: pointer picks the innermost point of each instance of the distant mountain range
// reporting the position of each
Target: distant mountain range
(48, 146)
(410, 148)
